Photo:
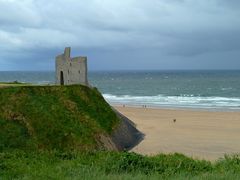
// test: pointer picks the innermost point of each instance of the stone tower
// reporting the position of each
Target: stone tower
(71, 70)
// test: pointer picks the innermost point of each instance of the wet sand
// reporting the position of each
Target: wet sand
(199, 134)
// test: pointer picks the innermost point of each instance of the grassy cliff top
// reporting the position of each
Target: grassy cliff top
(53, 117)
(14, 83)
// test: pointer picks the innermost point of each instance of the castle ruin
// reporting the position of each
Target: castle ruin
(71, 70)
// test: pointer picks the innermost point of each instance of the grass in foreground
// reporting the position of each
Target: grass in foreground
(112, 165)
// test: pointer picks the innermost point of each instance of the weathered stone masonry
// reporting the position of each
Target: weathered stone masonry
(71, 70)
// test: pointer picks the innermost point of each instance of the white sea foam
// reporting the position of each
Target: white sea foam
(176, 101)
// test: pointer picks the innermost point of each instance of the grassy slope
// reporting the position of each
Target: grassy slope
(64, 120)
(53, 117)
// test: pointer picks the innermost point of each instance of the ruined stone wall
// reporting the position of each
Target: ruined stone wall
(73, 70)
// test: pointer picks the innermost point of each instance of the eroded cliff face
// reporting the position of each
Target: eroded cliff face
(124, 137)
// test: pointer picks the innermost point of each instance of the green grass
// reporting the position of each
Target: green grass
(53, 117)
(52, 132)
(112, 165)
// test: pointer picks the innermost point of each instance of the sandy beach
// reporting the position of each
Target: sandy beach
(199, 134)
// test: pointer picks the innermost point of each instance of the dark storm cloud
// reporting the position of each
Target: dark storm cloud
(121, 34)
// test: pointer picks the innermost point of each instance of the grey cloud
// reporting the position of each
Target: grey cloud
(103, 29)
(18, 14)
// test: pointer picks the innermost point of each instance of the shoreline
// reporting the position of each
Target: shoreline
(199, 134)
(174, 108)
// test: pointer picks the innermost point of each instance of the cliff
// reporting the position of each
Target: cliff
(61, 117)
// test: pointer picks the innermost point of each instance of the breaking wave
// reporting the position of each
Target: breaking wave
(176, 101)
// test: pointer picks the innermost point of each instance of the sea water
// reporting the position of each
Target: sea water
(216, 90)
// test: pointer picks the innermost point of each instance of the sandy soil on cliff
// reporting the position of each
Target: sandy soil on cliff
(199, 134)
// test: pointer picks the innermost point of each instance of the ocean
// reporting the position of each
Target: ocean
(211, 90)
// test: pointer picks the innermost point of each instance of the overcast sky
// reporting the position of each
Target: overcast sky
(121, 34)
